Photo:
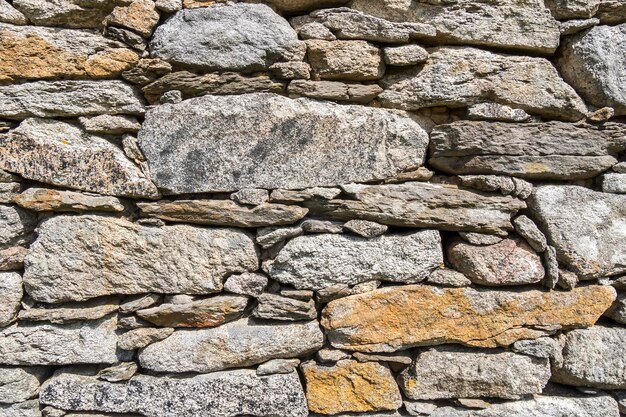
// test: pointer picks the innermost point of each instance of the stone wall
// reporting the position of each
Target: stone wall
(292, 208)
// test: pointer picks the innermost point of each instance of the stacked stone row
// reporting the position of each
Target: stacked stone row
(298, 208)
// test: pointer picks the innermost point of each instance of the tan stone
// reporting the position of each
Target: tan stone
(350, 386)
(45, 199)
(140, 16)
(345, 60)
(393, 318)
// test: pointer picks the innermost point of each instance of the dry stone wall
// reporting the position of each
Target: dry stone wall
(292, 208)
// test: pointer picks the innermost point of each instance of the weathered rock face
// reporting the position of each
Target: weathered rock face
(43, 199)
(234, 37)
(236, 344)
(509, 24)
(345, 60)
(68, 13)
(115, 256)
(542, 151)
(19, 384)
(41, 53)
(67, 313)
(220, 394)
(592, 61)
(449, 79)
(396, 318)
(293, 141)
(454, 372)
(10, 297)
(51, 344)
(8, 14)
(417, 204)
(16, 226)
(24, 409)
(593, 357)
(585, 227)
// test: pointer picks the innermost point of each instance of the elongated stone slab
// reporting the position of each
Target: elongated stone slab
(45, 199)
(418, 204)
(460, 77)
(389, 319)
(220, 394)
(195, 147)
(51, 344)
(67, 13)
(237, 344)
(320, 261)
(58, 153)
(76, 258)
(585, 227)
(540, 151)
(10, 297)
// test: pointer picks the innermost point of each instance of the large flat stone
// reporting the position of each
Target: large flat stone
(586, 227)
(232, 37)
(24, 409)
(45, 199)
(58, 153)
(19, 384)
(76, 258)
(460, 77)
(68, 99)
(319, 261)
(456, 372)
(418, 204)
(51, 344)
(67, 13)
(236, 344)
(30, 52)
(539, 151)
(10, 297)
(389, 319)
(194, 146)
(220, 394)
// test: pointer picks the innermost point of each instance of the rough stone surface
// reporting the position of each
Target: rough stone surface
(496, 112)
(527, 229)
(110, 125)
(140, 338)
(251, 196)
(114, 256)
(221, 394)
(318, 261)
(24, 409)
(19, 384)
(531, 84)
(269, 236)
(454, 372)
(12, 258)
(304, 5)
(345, 60)
(389, 319)
(618, 310)
(234, 37)
(277, 366)
(120, 372)
(448, 277)
(276, 307)
(274, 158)
(544, 347)
(236, 344)
(248, 283)
(66, 313)
(334, 90)
(8, 14)
(406, 55)
(614, 183)
(350, 386)
(44, 199)
(365, 228)
(585, 227)
(16, 226)
(10, 297)
(67, 13)
(140, 16)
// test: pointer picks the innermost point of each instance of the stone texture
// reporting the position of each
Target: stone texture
(8, 14)
(277, 366)
(68, 99)
(251, 284)
(448, 277)
(140, 16)
(197, 135)
(406, 55)
(500, 183)
(618, 310)
(449, 78)
(24, 409)
(51, 344)
(209, 312)
(269, 236)
(234, 37)
(509, 262)
(10, 297)
(146, 71)
(12, 258)
(232, 345)
(19, 384)
(114, 256)
(334, 90)
(319, 261)
(299, 196)
(30, 52)
(350, 386)
(45, 199)
(613, 183)
(571, 27)
(527, 229)
(8, 191)
(389, 319)
(509, 24)
(276, 307)
(539, 151)
(455, 372)
(480, 239)
(120, 372)
(61, 154)
(544, 347)
(222, 213)
(16, 226)
(66, 313)
(496, 112)
(345, 60)
(291, 70)
(250, 196)
(585, 227)
(417, 204)
(68, 13)
(140, 338)
(221, 394)
(593, 357)
(593, 63)
(110, 125)
(365, 228)
(292, 6)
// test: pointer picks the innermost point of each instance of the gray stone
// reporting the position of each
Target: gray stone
(138, 302)
(292, 6)
(45, 199)
(593, 357)
(449, 78)
(567, 279)
(544, 151)
(611, 12)
(313, 30)
(527, 229)
(593, 63)
(551, 265)
(19, 384)
(269, 236)
(620, 168)
(120, 372)
(68, 13)
(52, 344)
(10, 297)
(502, 184)
(335, 90)
(480, 239)
(291, 70)
(274, 157)
(66, 313)
(115, 256)
(455, 372)
(277, 366)
(8, 14)
(585, 227)
(16, 226)
(299, 196)
(449, 278)
(418, 204)
(618, 310)
(304, 295)
(236, 37)
(140, 338)
(132, 322)
(24, 409)
(276, 307)
(398, 358)
(572, 9)
(146, 71)
(248, 283)
(406, 55)
(251, 196)
(496, 113)
(544, 347)
(322, 226)
(419, 408)
(571, 27)
(365, 228)
(110, 125)
(169, 6)
(345, 60)
(128, 37)
(12, 258)
(506, 24)
(613, 183)
(70, 98)
(328, 355)
(232, 345)
(220, 394)
(8, 191)
(318, 261)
